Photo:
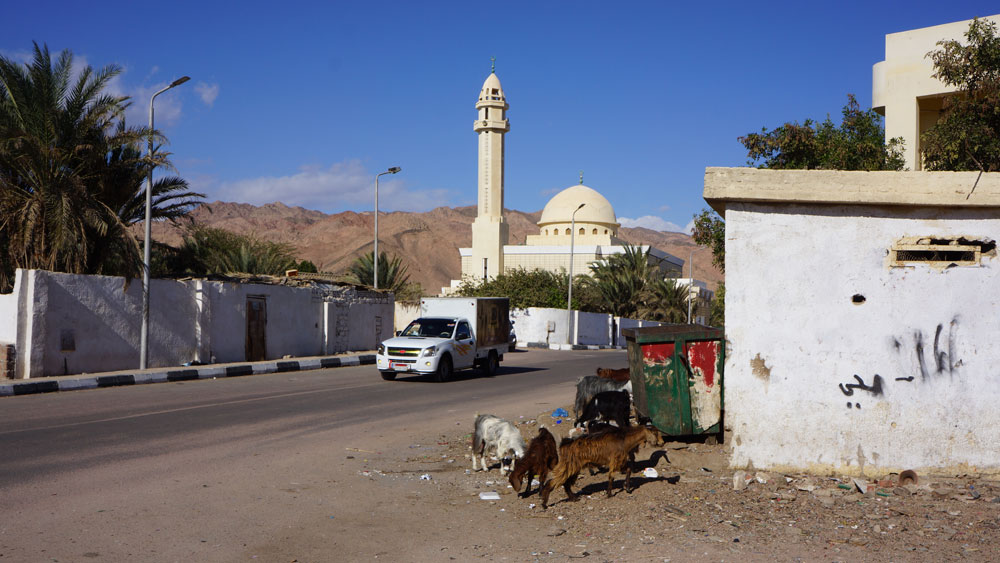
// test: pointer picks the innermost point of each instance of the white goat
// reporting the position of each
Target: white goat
(495, 433)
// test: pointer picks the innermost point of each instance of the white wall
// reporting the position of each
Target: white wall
(404, 313)
(8, 313)
(592, 328)
(797, 340)
(69, 324)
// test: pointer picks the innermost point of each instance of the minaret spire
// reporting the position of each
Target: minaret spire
(581, 177)
(493, 65)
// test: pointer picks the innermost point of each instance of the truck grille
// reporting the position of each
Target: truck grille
(404, 352)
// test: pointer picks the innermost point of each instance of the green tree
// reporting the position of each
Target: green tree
(69, 168)
(717, 310)
(858, 143)
(664, 300)
(207, 250)
(391, 272)
(967, 135)
(524, 288)
(710, 231)
(307, 267)
(620, 280)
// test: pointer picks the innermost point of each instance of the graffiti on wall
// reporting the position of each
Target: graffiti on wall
(941, 361)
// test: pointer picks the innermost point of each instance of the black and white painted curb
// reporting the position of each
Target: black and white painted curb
(573, 346)
(29, 387)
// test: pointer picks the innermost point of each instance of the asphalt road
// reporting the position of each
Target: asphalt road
(200, 470)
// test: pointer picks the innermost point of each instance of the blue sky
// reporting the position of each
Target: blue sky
(304, 102)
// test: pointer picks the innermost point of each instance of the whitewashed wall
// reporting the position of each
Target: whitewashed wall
(8, 315)
(404, 313)
(919, 353)
(68, 324)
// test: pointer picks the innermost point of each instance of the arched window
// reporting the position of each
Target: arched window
(546, 232)
(605, 231)
(567, 231)
(582, 231)
(595, 231)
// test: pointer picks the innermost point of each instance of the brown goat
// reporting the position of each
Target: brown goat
(613, 374)
(611, 448)
(540, 457)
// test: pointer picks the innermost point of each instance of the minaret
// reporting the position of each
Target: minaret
(489, 230)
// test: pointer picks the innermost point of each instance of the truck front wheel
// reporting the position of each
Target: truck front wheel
(388, 375)
(445, 369)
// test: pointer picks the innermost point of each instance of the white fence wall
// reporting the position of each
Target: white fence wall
(66, 324)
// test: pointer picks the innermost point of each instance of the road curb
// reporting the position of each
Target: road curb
(164, 375)
(572, 346)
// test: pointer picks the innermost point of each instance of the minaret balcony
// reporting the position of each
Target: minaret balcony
(491, 125)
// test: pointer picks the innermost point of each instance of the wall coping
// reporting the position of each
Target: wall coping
(842, 187)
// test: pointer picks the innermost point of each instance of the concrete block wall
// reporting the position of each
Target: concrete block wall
(69, 324)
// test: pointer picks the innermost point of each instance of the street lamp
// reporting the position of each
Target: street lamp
(391, 170)
(144, 333)
(569, 296)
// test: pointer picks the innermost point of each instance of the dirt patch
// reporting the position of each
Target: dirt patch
(695, 508)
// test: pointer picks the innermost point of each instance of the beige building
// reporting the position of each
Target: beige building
(903, 89)
(577, 221)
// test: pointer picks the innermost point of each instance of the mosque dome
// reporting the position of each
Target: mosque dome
(597, 209)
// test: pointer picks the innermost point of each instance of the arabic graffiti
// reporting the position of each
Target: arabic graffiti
(875, 388)
(944, 351)
(942, 361)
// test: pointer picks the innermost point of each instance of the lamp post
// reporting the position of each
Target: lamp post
(569, 295)
(144, 332)
(391, 170)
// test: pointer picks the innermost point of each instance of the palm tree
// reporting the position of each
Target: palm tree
(69, 168)
(207, 250)
(620, 280)
(664, 300)
(391, 273)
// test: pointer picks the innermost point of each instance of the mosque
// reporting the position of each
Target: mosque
(577, 208)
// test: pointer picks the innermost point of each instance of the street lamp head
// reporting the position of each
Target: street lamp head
(179, 81)
(393, 169)
(580, 206)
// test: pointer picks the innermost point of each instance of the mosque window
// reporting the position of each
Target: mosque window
(567, 231)
(595, 231)
(605, 231)
(582, 231)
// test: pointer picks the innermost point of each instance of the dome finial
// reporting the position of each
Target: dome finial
(493, 65)
(581, 177)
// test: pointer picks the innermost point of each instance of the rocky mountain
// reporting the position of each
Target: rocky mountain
(427, 242)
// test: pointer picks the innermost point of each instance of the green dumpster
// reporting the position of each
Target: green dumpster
(676, 373)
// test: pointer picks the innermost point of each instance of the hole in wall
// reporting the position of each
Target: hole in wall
(858, 299)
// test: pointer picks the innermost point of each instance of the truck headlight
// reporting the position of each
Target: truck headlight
(381, 349)
(426, 352)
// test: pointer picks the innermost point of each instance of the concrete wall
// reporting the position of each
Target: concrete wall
(67, 324)
(8, 315)
(855, 366)
(404, 313)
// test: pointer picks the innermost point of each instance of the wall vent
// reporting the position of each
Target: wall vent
(940, 252)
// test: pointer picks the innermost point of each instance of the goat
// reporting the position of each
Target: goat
(537, 461)
(611, 448)
(607, 405)
(495, 433)
(614, 374)
(590, 385)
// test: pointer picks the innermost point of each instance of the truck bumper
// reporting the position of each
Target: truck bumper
(407, 365)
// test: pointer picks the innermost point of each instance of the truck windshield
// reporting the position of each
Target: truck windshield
(430, 327)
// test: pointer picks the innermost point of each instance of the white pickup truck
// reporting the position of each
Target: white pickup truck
(452, 333)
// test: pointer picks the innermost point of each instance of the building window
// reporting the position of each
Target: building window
(582, 231)
(605, 231)
(567, 231)
(595, 231)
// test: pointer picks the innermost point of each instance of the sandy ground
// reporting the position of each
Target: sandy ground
(695, 509)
